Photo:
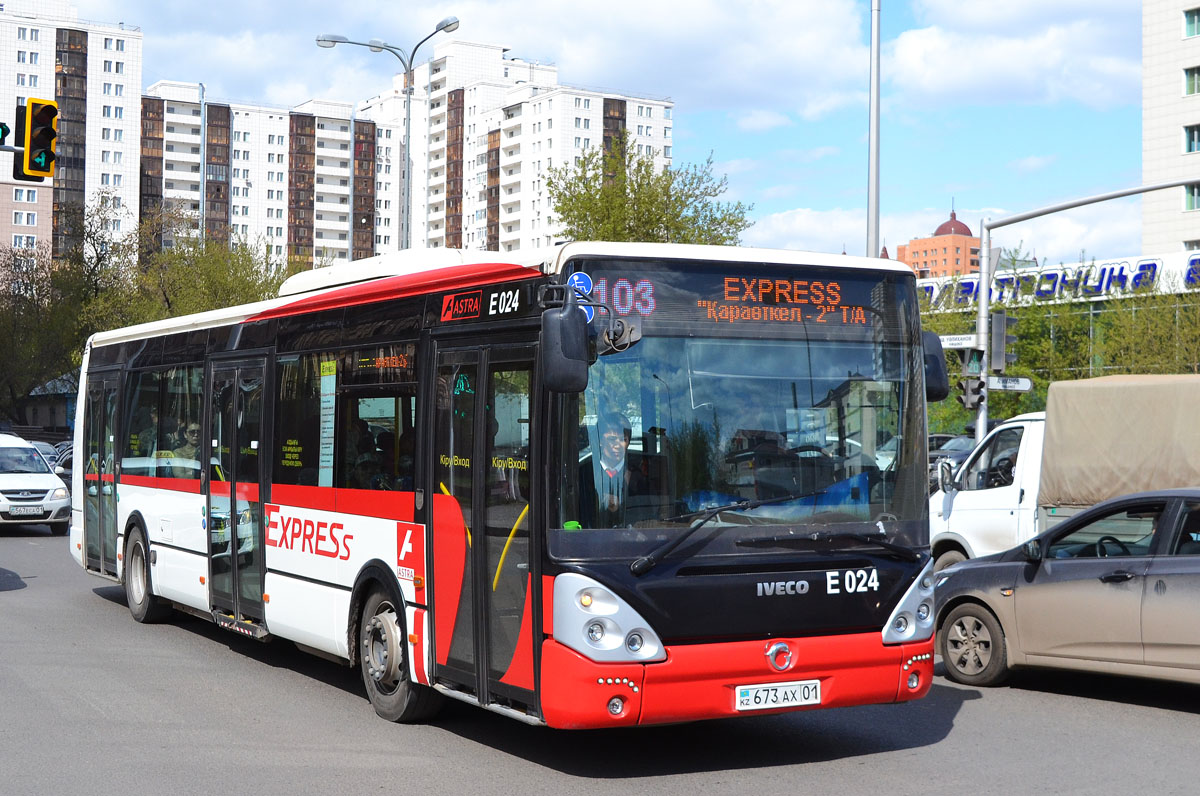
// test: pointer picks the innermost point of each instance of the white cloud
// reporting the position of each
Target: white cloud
(756, 121)
(1032, 163)
(1020, 16)
(1107, 229)
(935, 65)
(787, 57)
(1103, 230)
(810, 230)
(737, 166)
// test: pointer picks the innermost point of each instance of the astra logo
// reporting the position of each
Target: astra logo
(780, 587)
(460, 306)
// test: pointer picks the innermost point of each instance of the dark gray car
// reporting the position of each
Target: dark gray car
(1112, 589)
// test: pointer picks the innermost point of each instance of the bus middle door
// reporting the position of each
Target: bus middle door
(236, 428)
(480, 516)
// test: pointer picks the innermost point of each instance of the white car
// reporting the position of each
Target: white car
(30, 493)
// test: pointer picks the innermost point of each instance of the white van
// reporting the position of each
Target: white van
(29, 492)
(1098, 439)
(990, 504)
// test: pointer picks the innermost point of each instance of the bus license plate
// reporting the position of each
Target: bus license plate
(24, 511)
(778, 695)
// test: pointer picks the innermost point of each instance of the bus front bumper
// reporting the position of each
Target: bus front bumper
(707, 681)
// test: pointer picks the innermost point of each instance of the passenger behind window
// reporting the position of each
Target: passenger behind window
(187, 455)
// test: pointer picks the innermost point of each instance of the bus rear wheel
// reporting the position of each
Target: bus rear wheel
(383, 662)
(139, 592)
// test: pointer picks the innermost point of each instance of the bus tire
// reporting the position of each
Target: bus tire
(139, 589)
(383, 661)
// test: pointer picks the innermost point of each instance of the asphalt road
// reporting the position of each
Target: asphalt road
(92, 702)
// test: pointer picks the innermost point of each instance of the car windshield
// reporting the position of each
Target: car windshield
(958, 444)
(822, 422)
(22, 460)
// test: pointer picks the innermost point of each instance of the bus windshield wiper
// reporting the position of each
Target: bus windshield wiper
(877, 539)
(646, 563)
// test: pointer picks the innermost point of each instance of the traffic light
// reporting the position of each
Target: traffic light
(37, 133)
(999, 341)
(971, 393)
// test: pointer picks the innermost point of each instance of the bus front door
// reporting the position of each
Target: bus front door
(99, 471)
(480, 515)
(236, 429)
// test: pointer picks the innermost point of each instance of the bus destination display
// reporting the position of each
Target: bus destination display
(717, 297)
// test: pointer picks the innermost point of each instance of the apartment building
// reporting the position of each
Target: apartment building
(94, 71)
(486, 130)
(1171, 124)
(324, 180)
(298, 180)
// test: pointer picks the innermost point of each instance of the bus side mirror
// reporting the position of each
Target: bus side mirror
(937, 381)
(564, 350)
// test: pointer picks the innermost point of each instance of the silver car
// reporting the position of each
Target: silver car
(1112, 589)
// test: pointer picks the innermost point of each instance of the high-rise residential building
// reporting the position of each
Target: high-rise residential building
(1171, 124)
(298, 181)
(951, 251)
(94, 71)
(325, 180)
(486, 130)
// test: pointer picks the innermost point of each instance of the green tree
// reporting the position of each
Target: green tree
(195, 275)
(38, 324)
(616, 194)
(103, 279)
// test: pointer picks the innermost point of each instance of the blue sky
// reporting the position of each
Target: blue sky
(1000, 107)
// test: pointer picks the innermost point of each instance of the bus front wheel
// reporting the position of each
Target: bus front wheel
(383, 661)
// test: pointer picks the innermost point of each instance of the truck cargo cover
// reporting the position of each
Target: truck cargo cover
(1114, 435)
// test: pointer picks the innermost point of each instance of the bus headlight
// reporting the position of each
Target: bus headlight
(599, 625)
(912, 619)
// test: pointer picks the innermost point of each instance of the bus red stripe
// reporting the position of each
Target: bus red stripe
(376, 503)
(319, 498)
(392, 287)
(418, 650)
(520, 668)
(188, 485)
(449, 563)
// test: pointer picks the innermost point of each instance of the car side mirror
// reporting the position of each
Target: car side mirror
(1032, 550)
(58, 470)
(945, 476)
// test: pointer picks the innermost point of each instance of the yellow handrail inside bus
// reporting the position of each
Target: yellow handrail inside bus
(504, 552)
(446, 492)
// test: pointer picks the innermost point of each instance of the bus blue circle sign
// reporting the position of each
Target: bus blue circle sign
(583, 286)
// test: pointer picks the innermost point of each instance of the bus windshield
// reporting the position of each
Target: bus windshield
(796, 389)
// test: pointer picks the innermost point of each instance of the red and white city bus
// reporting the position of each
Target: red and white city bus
(413, 464)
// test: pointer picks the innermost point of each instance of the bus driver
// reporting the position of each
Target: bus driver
(615, 483)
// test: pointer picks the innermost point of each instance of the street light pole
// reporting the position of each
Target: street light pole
(448, 25)
(873, 144)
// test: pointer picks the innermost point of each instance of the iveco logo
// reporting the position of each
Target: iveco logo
(779, 655)
(779, 587)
